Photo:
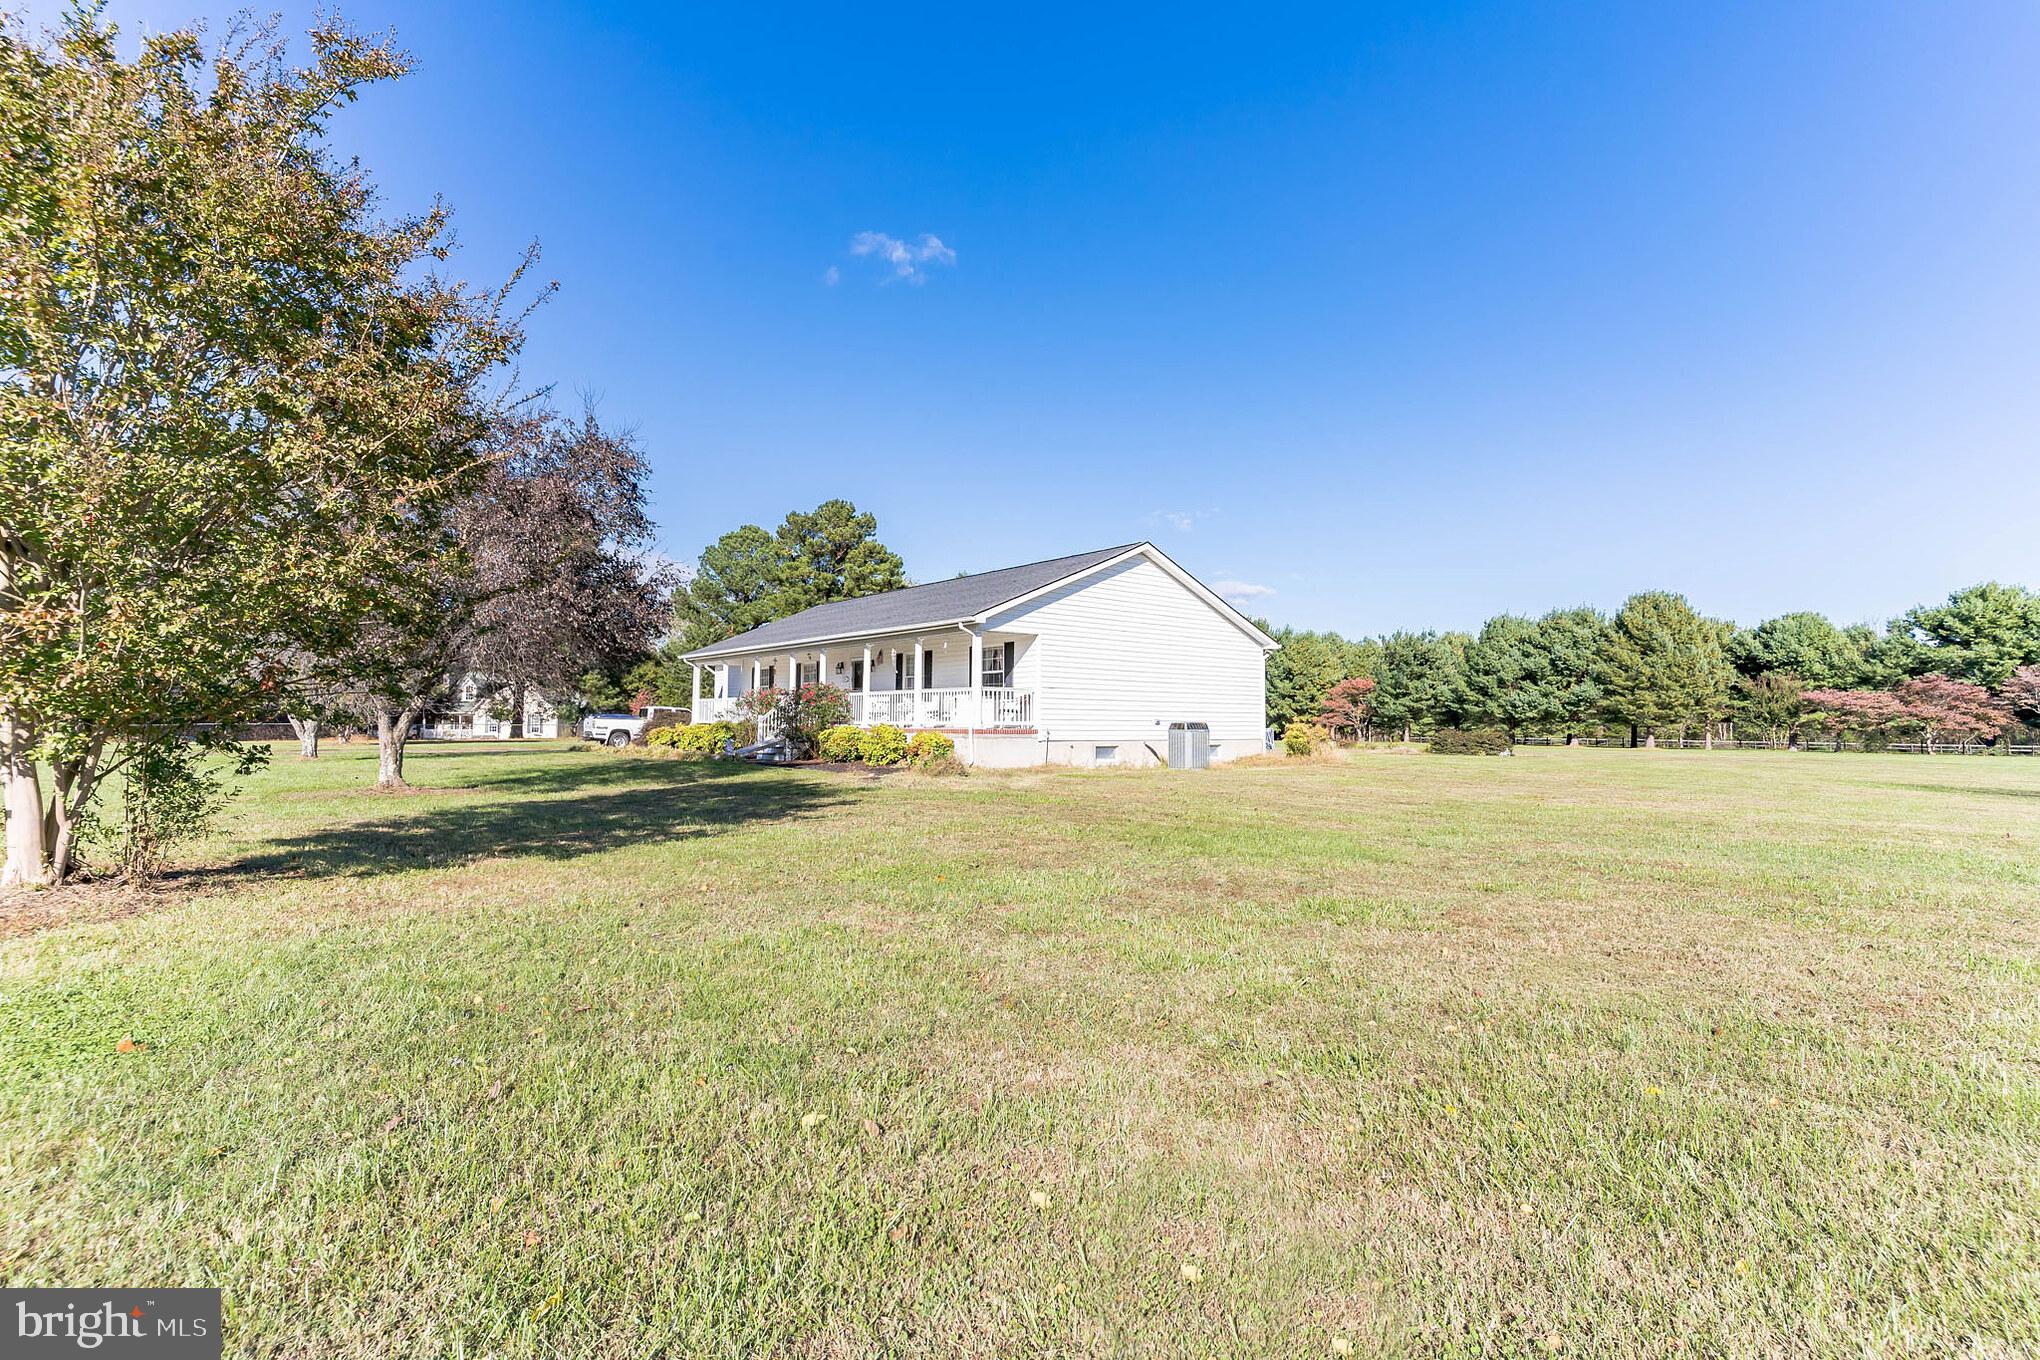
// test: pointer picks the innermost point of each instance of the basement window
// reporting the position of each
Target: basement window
(1104, 755)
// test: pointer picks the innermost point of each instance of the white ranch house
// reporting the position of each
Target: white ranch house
(1081, 660)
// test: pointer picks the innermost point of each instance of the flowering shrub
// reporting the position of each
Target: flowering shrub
(841, 743)
(801, 714)
(883, 745)
(929, 747)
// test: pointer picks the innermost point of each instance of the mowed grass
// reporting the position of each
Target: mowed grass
(579, 1053)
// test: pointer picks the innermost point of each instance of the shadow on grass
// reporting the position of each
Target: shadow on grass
(557, 812)
(1988, 790)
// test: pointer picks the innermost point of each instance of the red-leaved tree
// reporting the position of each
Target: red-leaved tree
(1861, 711)
(1952, 710)
(2021, 692)
(1345, 707)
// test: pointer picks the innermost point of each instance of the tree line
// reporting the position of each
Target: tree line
(1967, 669)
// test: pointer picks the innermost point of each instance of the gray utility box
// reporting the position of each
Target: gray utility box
(1189, 746)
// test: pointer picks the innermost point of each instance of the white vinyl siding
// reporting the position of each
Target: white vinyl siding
(1128, 650)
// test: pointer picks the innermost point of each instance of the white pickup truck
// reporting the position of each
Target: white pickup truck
(621, 729)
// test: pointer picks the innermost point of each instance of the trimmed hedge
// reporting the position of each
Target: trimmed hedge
(883, 745)
(840, 743)
(1472, 741)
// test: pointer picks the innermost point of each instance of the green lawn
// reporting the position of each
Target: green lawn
(582, 1053)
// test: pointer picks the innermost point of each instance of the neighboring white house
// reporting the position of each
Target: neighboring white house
(1082, 660)
(479, 710)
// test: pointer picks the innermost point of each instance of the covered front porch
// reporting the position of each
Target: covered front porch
(954, 681)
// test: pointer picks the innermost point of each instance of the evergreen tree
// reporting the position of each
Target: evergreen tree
(749, 577)
(1981, 634)
(1506, 676)
(1569, 642)
(1662, 665)
(831, 553)
(1301, 674)
(1420, 684)
(1804, 645)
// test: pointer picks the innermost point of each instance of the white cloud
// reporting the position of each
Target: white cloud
(831, 277)
(1182, 521)
(909, 260)
(1240, 592)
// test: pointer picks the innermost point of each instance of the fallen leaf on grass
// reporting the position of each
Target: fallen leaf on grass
(126, 1044)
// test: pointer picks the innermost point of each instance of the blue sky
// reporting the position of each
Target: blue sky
(1403, 315)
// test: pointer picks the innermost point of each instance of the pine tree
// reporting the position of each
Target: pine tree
(1661, 665)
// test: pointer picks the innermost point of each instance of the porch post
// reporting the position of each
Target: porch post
(694, 697)
(864, 689)
(821, 668)
(977, 689)
(920, 679)
(757, 672)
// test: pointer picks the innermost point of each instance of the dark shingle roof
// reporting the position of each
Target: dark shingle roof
(961, 597)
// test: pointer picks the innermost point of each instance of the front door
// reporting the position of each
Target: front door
(857, 676)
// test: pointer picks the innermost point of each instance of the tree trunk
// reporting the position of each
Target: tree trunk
(392, 730)
(517, 709)
(307, 730)
(1632, 736)
(28, 846)
(1650, 739)
(1707, 736)
(1406, 729)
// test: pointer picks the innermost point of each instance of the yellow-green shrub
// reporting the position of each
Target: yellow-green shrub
(840, 743)
(929, 749)
(1302, 738)
(699, 739)
(883, 745)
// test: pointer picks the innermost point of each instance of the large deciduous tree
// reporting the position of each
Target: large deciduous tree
(1661, 665)
(233, 394)
(576, 587)
(538, 571)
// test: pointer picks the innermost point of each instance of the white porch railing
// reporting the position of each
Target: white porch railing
(995, 708)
